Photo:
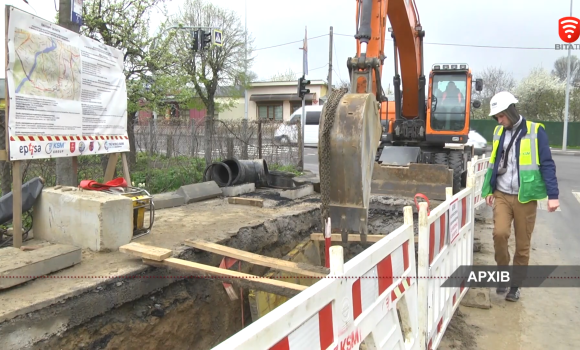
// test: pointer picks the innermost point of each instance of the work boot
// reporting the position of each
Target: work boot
(513, 294)
(501, 290)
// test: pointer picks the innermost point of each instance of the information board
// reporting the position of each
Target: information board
(453, 221)
(67, 92)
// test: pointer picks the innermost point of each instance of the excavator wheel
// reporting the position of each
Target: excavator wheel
(456, 164)
(441, 158)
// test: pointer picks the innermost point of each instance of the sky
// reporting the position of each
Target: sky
(514, 23)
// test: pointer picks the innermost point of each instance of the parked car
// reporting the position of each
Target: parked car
(478, 142)
(287, 133)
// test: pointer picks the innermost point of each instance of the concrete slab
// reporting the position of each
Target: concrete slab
(168, 200)
(307, 178)
(233, 191)
(87, 219)
(200, 191)
(18, 266)
(299, 192)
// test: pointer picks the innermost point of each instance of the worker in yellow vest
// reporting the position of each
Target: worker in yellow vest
(521, 172)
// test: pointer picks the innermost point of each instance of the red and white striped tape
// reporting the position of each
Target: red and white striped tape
(66, 138)
(439, 229)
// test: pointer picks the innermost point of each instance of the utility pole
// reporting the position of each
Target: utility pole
(330, 65)
(246, 99)
(66, 168)
(565, 136)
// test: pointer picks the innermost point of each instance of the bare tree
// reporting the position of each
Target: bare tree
(214, 67)
(494, 80)
(288, 75)
(561, 66)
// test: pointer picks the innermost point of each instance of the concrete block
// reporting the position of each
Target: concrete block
(199, 192)
(477, 298)
(18, 266)
(168, 200)
(308, 178)
(299, 192)
(87, 219)
(233, 191)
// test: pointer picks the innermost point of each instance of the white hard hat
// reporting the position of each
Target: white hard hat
(500, 102)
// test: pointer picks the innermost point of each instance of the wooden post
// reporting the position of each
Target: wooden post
(112, 164)
(17, 204)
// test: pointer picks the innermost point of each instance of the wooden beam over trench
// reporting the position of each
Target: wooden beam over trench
(273, 263)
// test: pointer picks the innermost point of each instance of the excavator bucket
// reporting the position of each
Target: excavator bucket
(350, 131)
(406, 181)
(399, 174)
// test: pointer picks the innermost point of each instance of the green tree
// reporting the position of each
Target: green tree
(541, 96)
(215, 67)
(125, 25)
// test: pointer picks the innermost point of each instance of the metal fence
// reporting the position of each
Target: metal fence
(172, 153)
(255, 139)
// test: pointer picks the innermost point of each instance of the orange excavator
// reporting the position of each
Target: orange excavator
(413, 144)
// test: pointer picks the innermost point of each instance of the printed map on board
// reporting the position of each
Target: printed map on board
(46, 67)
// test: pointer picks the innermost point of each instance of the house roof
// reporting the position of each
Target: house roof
(284, 83)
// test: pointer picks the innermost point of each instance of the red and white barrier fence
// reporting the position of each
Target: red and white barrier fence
(445, 243)
(367, 299)
(376, 297)
(476, 169)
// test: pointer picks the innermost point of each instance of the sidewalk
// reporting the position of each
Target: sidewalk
(559, 152)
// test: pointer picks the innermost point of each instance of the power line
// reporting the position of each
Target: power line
(292, 42)
(472, 45)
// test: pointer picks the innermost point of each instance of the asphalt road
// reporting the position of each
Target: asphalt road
(562, 228)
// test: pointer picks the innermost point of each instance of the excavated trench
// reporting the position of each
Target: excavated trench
(196, 313)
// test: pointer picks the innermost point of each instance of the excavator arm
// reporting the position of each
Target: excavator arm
(351, 131)
(350, 128)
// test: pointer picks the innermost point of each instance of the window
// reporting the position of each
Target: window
(312, 118)
(448, 102)
(270, 112)
(297, 105)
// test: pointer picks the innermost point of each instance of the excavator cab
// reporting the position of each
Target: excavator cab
(448, 104)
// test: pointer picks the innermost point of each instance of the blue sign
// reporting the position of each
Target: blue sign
(77, 12)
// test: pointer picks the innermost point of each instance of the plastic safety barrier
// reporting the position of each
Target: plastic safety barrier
(373, 297)
(477, 169)
(445, 243)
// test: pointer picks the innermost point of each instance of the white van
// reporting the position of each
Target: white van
(287, 132)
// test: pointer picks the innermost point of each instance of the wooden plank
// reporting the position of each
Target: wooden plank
(336, 237)
(3, 155)
(146, 251)
(126, 174)
(17, 204)
(112, 163)
(246, 201)
(278, 264)
(237, 278)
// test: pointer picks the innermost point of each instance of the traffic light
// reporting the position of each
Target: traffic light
(205, 38)
(302, 90)
(195, 46)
